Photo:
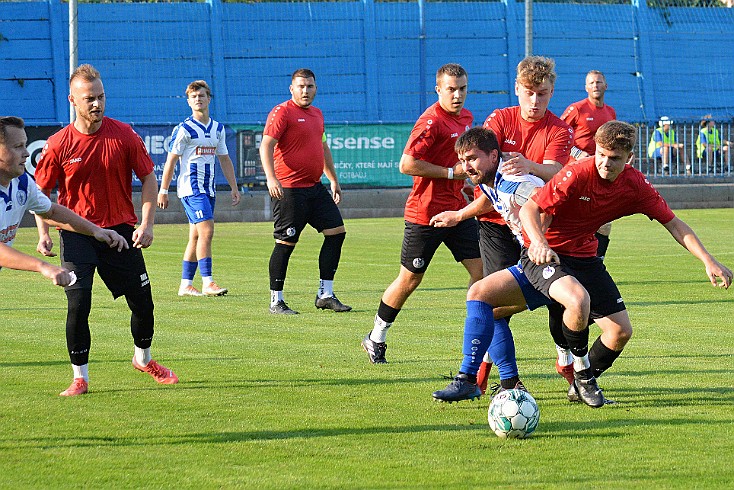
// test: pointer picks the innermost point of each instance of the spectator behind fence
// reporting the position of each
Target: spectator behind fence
(709, 145)
(664, 146)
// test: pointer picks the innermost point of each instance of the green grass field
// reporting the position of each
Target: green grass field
(292, 402)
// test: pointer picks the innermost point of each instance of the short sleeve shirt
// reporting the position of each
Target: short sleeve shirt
(198, 145)
(432, 140)
(547, 139)
(19, 196)
(94, 171)
(585, 118)
(299, 153)
(580, 201)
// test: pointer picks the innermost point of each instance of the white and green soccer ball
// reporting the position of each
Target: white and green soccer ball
(513, 414)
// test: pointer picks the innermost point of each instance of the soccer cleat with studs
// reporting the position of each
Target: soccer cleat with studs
(213, 289)
(331, 303)
(77, 387)
(459, 389)
(497, 388)
(189, 291)
(281, 308)
(587, 391)
(160, 373)
(375, 350)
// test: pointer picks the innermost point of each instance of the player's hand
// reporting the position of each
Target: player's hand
(275, 189)
(235, 197)
(513, 163)
(45, 245)
(111, 238)
(719, 274)
(163, 201)
(58, 275)
(446, 219)
(459, 172)
(143, 237)
(336, 192)
(541, 254)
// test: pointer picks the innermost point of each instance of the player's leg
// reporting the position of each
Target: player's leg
(420, 243)
(327, 219)
(189, 265)
(200, 211)
(616, 332)
(564, 359)
(125, 274)
(498, 289)
(78, 254)
(289, 219)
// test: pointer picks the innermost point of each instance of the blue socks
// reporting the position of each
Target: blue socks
(189, 270)
(205, 267)
(502, 350)
(478, 332)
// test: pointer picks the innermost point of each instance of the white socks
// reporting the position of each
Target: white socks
(142, 356)
(275, 296)
(326, 288)
(379, 332)
(81, 371)
(564, 356)
(581, 363)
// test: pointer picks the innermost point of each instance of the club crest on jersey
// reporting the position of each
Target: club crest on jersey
(418, 263)
(21, 196)
(290, 231)
(548, 272)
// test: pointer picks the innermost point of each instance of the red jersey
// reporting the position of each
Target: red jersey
(580, 201)
(299, 153)
(547, 139)
(585, 118)
(94, 172)
(432, 140)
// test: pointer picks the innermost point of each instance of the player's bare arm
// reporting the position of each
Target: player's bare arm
(420, 168)
(534, 224)
(684, 235)
(477, 207)
(143, 234)
(225, 162)
(166, 179)
(13, 259)
(267, 150)
(45, 242)
(515, 163)
(66, 219)
(330, 171)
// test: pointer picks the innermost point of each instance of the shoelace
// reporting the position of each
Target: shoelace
(157, 370)
(495, 388)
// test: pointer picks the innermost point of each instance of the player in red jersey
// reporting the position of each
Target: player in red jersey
(534, 141)
(438, 180)
(585, 117)
(92, 162)
(560, 263)
(294, 155)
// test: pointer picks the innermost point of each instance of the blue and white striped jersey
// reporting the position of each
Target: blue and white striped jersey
(20, 196)
(510, 192)
(198, 145)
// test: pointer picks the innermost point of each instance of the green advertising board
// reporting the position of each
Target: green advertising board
(365, 155)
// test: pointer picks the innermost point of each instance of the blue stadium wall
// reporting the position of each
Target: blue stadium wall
(375, 61)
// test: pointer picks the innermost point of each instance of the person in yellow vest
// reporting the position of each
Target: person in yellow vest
(663, 146)
(709, 146)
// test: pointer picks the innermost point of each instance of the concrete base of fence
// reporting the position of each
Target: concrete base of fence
(383, 203)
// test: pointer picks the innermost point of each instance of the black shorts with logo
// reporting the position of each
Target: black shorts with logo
(122, 272)
(589, 271)
(500, 249)
(420, 243)
(301, 206)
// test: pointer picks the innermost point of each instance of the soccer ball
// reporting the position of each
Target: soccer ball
(513, 414)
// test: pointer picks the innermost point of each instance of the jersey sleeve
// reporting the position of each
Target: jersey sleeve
(222, 143)
(557, 191)
(421, 139)
(276, 123)
(140, 160)
(559, 146)
(570, 115)
(38, 203)
(179, 140)
(48, 168)
(494, 122)
(652, 203)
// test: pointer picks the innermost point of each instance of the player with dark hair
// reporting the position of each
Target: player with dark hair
(92, 161)
(197, 142)
(294, 154)
(20, 194)
(560, 263)
(438, 179)
(533, 141)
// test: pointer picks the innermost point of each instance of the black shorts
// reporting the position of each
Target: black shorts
(122, 272)
(589, 271)
(499, 247)
(301, 206)
(420, 243)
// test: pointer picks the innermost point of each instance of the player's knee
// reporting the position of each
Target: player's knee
(79, 304)
(141, 304)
